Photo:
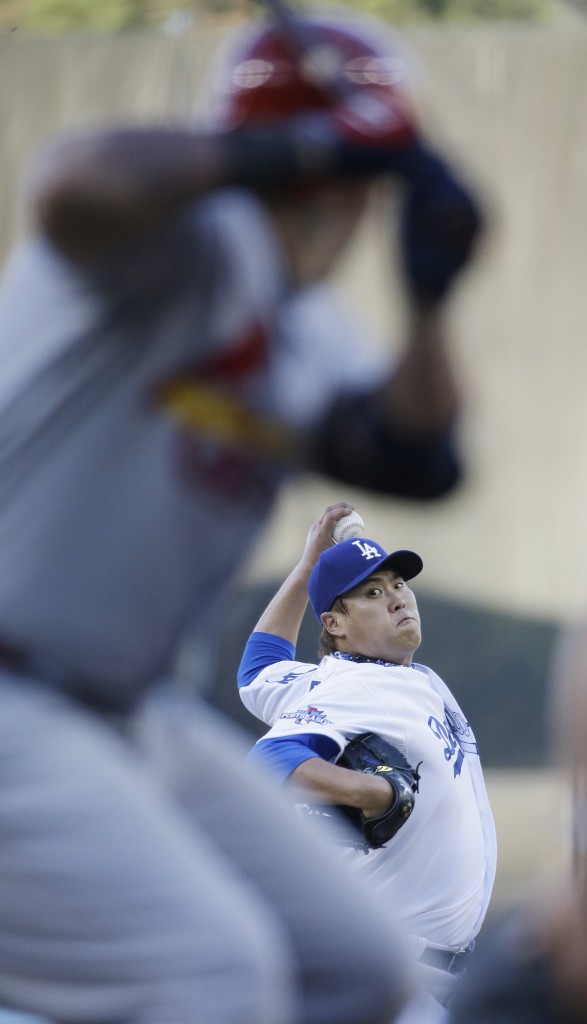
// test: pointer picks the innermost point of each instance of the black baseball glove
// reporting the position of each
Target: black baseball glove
(373, 755)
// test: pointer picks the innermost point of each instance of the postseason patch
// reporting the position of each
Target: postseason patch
(307, 715)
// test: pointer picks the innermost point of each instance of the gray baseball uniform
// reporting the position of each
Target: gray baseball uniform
(144, 431)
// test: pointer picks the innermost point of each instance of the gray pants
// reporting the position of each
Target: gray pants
(154, 879)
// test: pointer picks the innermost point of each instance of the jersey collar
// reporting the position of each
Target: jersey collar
(345, 656)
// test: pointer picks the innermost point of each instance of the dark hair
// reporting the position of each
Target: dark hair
(327, 643)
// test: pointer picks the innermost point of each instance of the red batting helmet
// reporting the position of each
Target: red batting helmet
(345, 66)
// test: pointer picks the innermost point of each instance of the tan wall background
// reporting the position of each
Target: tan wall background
(511, 103)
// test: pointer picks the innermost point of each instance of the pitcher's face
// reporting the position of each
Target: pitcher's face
(382, 619)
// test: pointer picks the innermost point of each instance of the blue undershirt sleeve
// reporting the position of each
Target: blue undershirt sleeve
(280, 755)
(262, 650)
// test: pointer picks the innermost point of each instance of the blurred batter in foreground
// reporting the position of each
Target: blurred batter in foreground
(168, 359)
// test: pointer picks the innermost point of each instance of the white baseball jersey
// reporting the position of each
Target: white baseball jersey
(148, 413)
(437, 873)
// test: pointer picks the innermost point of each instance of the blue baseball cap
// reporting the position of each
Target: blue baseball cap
(343, 566)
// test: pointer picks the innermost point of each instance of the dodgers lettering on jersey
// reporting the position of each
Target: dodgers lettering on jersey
(437, 873)
(457, 734)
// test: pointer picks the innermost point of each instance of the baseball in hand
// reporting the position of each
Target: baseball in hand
(348, 526)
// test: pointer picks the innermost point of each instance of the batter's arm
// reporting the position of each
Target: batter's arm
(422, 397)
(440, 226)
(400, 438)
(93, 190)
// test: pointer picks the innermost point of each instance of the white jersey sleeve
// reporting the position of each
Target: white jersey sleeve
(277, 688)
(295, 698)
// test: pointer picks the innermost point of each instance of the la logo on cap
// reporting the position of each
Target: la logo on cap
(367, 550)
